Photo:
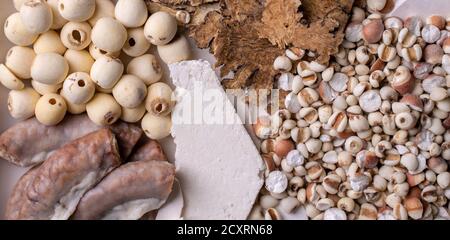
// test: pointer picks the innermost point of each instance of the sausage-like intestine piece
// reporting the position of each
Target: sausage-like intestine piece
(150, 150)
(19, 194)
(59, 183)
(29, 142)
(128, 192)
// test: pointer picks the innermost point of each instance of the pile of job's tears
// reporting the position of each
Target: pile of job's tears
(367, 136)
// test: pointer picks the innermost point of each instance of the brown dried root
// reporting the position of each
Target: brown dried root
(318, 28)
(279, 21)
(233, 39)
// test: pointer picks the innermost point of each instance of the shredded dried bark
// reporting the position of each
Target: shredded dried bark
(241, 9)
(279, 20)
(233, 39)
(196, 13)
(313, 25)
(208, 31)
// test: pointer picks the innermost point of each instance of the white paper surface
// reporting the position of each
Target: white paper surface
(422, 8)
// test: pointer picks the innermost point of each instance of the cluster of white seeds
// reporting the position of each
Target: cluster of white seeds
(69, 50)
(367, 136)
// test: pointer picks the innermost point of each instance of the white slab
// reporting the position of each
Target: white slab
(219, 168)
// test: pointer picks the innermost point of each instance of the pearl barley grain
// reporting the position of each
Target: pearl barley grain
(294, 158)
(409, 161)
(334, 214)
(438, 94)
(370, 101)
(267, 201)
(430, 33)
(276, 182)
(282, 63)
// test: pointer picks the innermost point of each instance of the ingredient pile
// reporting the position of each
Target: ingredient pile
(74, 67)
(89, 56)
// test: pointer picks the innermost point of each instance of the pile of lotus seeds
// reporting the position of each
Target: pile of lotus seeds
(70, 51)
(367, 136)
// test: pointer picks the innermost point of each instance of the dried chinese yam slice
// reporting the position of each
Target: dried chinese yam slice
(232, 36)
(205, 33)
(60, 182)
(240, 10)
(128, 192)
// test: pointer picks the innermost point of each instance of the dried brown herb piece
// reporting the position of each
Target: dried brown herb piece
(246, 36)
(233, 39)
(318, 28)
(327, 10)
(241, 9)
(279, 21)
(318, 39)
(238, 49)
(205, 33)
